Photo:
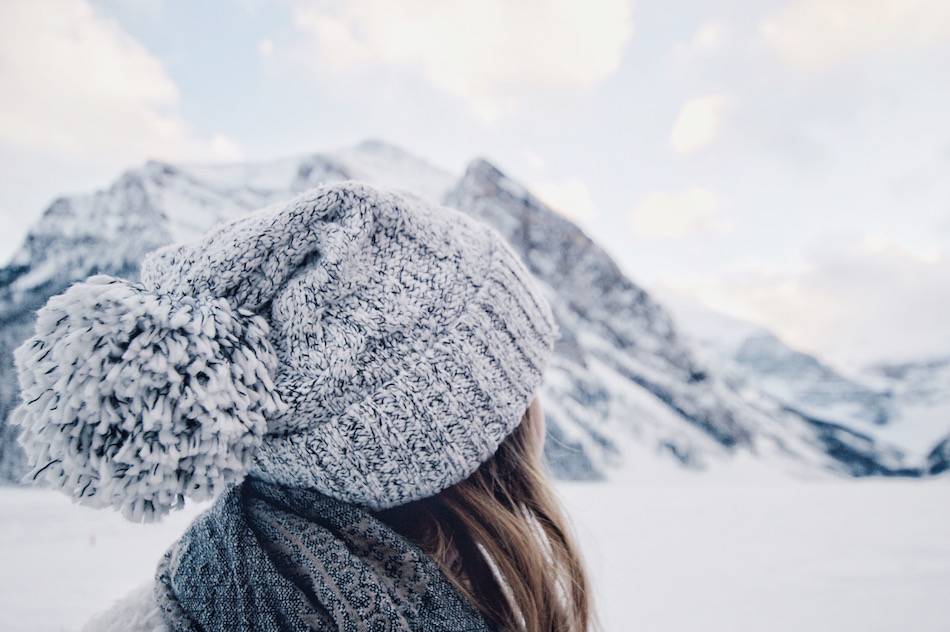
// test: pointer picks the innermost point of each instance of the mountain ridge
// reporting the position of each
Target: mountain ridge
(906, 404)
(623, 378)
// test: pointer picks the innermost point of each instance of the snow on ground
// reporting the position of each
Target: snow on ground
(819, 556)
(688, 555)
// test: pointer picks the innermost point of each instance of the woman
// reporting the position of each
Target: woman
(353, 376)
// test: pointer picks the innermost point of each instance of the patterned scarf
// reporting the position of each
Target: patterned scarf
(265, 558)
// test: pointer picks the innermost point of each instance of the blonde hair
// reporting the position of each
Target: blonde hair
(502, 539)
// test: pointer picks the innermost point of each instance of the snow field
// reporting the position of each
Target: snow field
(693, 554)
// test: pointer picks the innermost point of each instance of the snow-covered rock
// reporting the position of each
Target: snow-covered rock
(921, 395)
(905, 405)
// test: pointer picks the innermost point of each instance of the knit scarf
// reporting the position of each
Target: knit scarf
(266, 557)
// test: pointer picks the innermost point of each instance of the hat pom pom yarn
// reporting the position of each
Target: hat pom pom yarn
(136, 400)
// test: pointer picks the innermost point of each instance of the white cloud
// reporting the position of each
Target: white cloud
(491, 53)
(710, 35)
(265, 47)
(698, 123)
(874, 302)
(815, 34)
(709, 38)
(81, 100)
(669, 214)
(570, 197)
(76, 84)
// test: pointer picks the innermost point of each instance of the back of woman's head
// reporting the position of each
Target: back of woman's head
(359, 343)
(502, 539)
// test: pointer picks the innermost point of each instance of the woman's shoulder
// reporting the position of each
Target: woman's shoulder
(136, 612)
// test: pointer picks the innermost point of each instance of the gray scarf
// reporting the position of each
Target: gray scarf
(266, 557)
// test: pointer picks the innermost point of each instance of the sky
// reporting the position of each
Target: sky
(782, 161)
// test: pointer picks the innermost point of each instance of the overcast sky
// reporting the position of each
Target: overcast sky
(784, 161)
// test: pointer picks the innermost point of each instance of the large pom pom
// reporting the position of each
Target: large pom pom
(136, 400)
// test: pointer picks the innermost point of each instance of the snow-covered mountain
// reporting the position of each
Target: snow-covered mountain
(906, 405)
(626, 392)
(921, 391)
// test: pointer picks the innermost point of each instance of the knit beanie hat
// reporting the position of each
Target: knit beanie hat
(364, 343)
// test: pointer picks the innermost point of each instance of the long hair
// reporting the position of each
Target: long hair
(503, 541)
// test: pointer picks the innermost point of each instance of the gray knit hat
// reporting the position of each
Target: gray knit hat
(364, 343)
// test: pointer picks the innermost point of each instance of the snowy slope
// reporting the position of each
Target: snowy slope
(921, 391)
(796, 378)
(625, 388)
(906, 405)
